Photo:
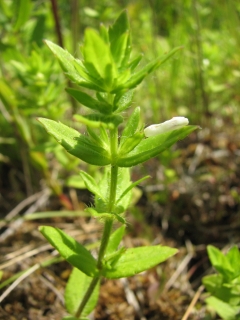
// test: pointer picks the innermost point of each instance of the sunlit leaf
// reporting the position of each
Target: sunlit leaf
(76, 254)
(151, 147)
(76, 143)
(136, 260)
(76, 288)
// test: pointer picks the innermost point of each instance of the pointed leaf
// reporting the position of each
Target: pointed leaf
(136, 260)
(97, 138)
(131, 125)
(115, 240)
(73, 318)
(66, 61)
(120, 80)
(233, 257)
(129, 144)
(76, 144)
(76, 254)
(76, 288)
(123, 182)
(119, 218)
(97, 120)
(91, 184)
(123, 100)
(127, 51)
(120, 39)
(131, 187)
(220, 262)
(137, 78)
(151, 147)
(97, 55)
(89, 102)
(104, 186)
(104, 33)
(119, 27)
(96, 83)
(134, 63)
(102, 96)
(118, 49)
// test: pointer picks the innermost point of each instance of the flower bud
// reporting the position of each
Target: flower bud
(170, 125)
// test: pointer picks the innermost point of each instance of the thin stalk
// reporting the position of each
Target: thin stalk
(57, 22)
(108, 223)
(87, 296)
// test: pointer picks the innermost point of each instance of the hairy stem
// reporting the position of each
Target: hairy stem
(108, 223)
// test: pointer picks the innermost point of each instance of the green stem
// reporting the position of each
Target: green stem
(87, 296)
(104, 242)
(108, 223)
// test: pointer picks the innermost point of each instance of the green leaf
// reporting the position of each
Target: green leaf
(96, 83)
(119, 48)
(91, 184)
(102, 216)
(115, 240)
(23, 11)
(76, 144)
(134, 63)
(120, 39)
(89, 102)
(233, 257)
(76, 254)
(103, 30)
(137, 78)
(136, 260)
(110, 260)
(151, 147)
(97, 120)
(97, 57)
(225, 291)
(73, 318)
(223, 309)
(123, 182)
(119, 27)
(76, 288)
(98, 138)
(119, 218)
(123, 100)
(100, 205)
(66, 61)
(131, 126)
(220, 262)
(129, 144)
(130, 188)
(122, 78)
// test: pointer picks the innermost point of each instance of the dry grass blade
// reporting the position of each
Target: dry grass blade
(25, 255)
(19, 280)
(193, 302)
(39, 198)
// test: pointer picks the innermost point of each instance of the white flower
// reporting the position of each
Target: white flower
(170, 125)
